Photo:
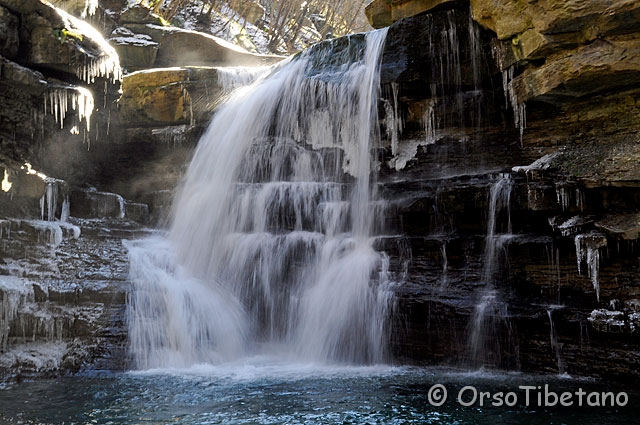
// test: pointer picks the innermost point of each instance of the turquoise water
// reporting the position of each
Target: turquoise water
(273, 393)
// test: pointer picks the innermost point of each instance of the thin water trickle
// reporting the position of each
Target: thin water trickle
(553, 339)
(445, 266)
(491, 315)
(271, 242)
(498, 231)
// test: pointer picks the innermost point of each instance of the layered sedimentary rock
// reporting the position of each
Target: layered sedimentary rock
(557, 124)
(59, 81)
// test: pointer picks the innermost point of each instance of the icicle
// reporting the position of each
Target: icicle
(107, 63)
(476, 50)
(66, 207)
(563, 196)
(430, 125)
(588, 250)
(49, 200)
(553, 340)
(122, 206)
(5, 229)
(6, 184)
(519, 109)
(564, 192)
(173, 136)
(81, 101)
(90, 7)
(445, 265)
(450, 39)
(12, 294)
(187, 101)
(580, 199)
(393, 121)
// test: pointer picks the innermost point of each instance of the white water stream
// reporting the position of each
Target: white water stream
(271, 242)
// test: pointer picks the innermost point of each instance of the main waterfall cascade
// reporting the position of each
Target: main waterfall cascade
(271, 247)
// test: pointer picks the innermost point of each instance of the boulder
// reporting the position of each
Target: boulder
(51, 39)
(382, 13)
(137, 212)
(505, 18)
(378, 14)
(94, 204)
(179, 47)
(169, 96)
(538, 29)
(136, 51)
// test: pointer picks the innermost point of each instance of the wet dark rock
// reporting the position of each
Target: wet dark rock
(94, 204)
(137, 211)
(9, 40)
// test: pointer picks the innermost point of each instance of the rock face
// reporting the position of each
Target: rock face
(543, 101)
(63, 303)
(170, 96)
(58, 73)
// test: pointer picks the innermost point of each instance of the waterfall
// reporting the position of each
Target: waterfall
(490, 315)
(553, 340)
(272, 238)
(499, 203)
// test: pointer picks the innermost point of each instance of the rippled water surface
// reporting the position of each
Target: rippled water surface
(273, 393)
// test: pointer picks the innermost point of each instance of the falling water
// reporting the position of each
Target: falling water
(553, 340)
(445, 266)
(490, 314)
(271, 243)
(499, 203)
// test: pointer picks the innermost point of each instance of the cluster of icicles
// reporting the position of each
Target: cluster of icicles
(104, 64)
(59, 99)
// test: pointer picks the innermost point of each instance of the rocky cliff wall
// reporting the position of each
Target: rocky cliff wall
(541, 98)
